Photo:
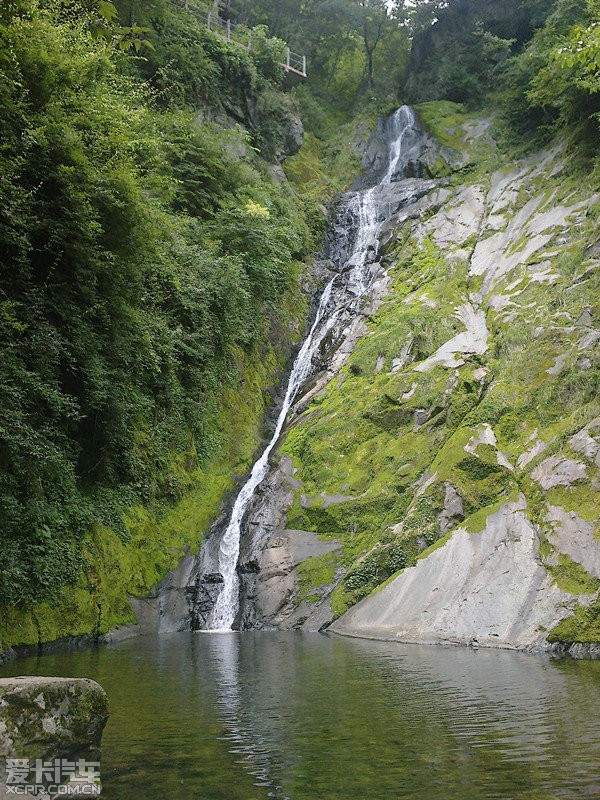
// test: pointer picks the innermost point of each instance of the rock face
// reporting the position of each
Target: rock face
(288, 572)
(487, 588)
(449, 447)
(50, 719)
(438, 481)
(292, 136)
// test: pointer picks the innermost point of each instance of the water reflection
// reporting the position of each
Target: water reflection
(246, 728)
(257, 715)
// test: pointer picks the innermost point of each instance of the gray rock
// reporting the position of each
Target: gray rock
(474, 341)
(574, 537)
(488, 588)
(292, 137)
(584, 443)
(586, 319)
(558, 471)
(421, 416)
(460, 220)
(404, 357)
(276, 581)
(269, 589)
(51, 718)
(453, 509)
(581, 650)
(559, 364)
(584, 363)
(530, 455)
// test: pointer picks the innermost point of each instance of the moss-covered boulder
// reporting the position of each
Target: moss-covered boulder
(57, 720)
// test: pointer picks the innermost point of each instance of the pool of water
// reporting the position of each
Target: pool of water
(309, 717)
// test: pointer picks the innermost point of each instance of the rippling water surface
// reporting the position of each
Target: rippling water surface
(281, 715)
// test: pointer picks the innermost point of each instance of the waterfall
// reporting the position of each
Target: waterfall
(364, 208)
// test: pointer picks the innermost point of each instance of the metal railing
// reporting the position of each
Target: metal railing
(228, 31)
(241, 36)
(295, 63)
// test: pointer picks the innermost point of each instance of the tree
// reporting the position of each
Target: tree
(375, 21)
(556, 79)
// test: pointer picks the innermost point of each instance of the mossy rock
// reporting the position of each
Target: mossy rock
(51, 718)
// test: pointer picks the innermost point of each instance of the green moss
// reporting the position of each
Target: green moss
(340, 601)
(582, 498)
(477, 521)
(572, 577)
(317, 572)
(449, 123)
(325, 166)
(582, 626)
(444, 120)
(422, 518)
(91, 710)
(360, 438)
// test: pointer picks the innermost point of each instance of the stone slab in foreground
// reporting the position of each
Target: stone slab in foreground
(46, 720)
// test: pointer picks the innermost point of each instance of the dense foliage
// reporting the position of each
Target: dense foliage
(556, 79)
(357, 49)
(536, 61)
(141, 251)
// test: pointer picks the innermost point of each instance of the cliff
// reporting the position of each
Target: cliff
(446, 462)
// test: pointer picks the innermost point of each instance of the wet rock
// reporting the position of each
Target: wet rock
(374, 152)
(580, 650)
(268, 593)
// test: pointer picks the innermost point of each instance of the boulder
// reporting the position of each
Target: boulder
(56, 722)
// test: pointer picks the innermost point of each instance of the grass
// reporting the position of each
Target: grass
(582, 626)
(314, 574)
(571, 577)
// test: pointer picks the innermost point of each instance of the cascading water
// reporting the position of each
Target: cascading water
(364, 208)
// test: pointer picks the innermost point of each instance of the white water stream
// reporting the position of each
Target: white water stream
(365, 208)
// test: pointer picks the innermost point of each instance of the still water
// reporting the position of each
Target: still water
(308, 717)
